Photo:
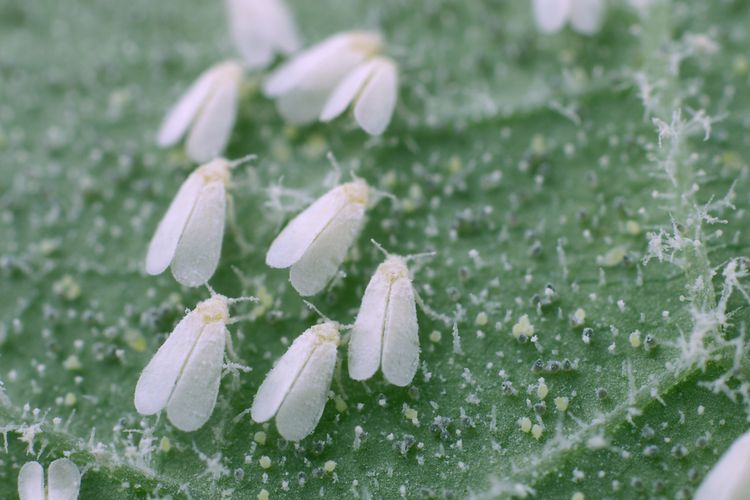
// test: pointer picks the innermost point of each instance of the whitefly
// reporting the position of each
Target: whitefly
(184, 375)
(205, 113)
(385, 334)
(295, 391)
(347, 68)
(63, 481)
(189, 236)
(261, 29)
(315, 242)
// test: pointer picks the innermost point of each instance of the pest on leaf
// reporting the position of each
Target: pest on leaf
(322, 81)
(260, 29)
(295, 391)
(385, 333)
(190, 234)
(185, 372)
(314, 244)
(208, 109)
(63, 481)
(372, 88)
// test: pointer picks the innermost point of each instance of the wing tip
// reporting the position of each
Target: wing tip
(305, 291)
(63, 475)
(291, 434)
(154, 268)
(192, 278)
(401, 377)
(360, 375)
(258, 415)
(360, 370)
(144, 406)
(274, 260)
(398, 382)
(186, 421)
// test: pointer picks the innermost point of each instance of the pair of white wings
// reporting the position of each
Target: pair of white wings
(208, 108)
(385, 332)
(315, 242)
(184, 374)
(191, 233)
(63, 481)
(303, 84)
(323, 81)
(260, 28)
(373, 87)
(586, 16)
(296, 388)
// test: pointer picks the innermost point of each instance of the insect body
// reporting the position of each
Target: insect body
(260, 29)
(372, 87)
(314, 244)
(321, 82)
(208, 109)
(296, 388)
(185, 372)
(190, 235)
(385, 333)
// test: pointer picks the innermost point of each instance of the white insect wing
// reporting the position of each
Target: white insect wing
(259, 28)
(288, 76)
(311, 68)
(194, 396)
(296, 389)
(179, 117)
(385, 332)
(158, 379)
(64, 480)
(551, 15)
(319, 264)
(374, 106)
(244, 27)
(303, 405)
(304, 84)
(294, 240)
(213, 125)
(302, 106)
(31, 481)
(345, 92)
(279, 380)
(280, 27)
(401, 335)
(587, 16)
(729, 479)
(163, 245)
(185, 374)
(255, 51)
(366, 341)
(199, 249)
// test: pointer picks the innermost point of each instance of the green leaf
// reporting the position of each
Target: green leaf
(595, 185)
